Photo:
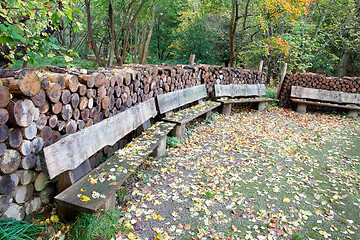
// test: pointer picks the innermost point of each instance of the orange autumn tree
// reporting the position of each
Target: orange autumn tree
(270, 16)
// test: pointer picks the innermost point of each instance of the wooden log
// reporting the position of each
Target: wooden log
(39, 99)
(76, 114)
(80, 124)
(21, 112)
(65, 96)
(3, 149)
(32, 205)
(101, 92)
(44, 83)
(26, 176)
(83, 103)
(105, 103)
(29, 161)
(4, 116)
(42, 121)
(8, 183)
(75, 100)
(54, 92)
(100, 79)
(82, 90)
(85, 114)
(41, 182)
(4, 133)
(66, 112)
(23, 193)
(5, 96)
(30, 131)
(10, 161)
(61, 125)
(26, 148)
(90, 103)
(44, 108)
(88, 80)
(47, 194)
(70, 126)
(45, 133)
(57, 78)
(55, 136)
(15, 138)
(72, 82)
(28, 84)
(53, 121)
(38, 144)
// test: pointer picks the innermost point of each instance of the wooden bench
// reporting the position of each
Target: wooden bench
(84, 190)
(169, 101)
(337, 99)
(241, 93)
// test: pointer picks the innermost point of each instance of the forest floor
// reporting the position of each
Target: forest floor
(252, 175)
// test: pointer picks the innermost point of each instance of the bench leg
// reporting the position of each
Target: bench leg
(143, 127)
(160, 149)
(261, 106)
(301, 107)
(353, 113)
(226, 110)
(67, 214)
(178, 130)
(66, 179)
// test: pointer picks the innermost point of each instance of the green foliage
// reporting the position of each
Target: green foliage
(27, 27)
(11, 229)
(173, 142)
(88, 226)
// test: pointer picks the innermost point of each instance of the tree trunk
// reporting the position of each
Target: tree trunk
(146, 48)
(343, 63)
(112, 32)
(126, 40)
(232, 31)
(92, 39)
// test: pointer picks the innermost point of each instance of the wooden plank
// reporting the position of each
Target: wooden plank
(172, 100)
(245, 100)
(283, 74)
(191, 113)
(325, 95)
(352, 107)
(90, 193)
(247, 90)
(69, 152)
(237, 90)
(223, 90)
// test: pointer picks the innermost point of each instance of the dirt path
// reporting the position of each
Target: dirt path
(252, 175)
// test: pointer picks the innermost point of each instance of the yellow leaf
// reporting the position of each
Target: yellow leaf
(113, 183)
(54, 218)
(83, 189)
(286, 200)
(131, 236)
(234, 228)
(93, 180)
(84, 198)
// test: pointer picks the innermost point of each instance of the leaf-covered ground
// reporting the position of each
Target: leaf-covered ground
(253, 175)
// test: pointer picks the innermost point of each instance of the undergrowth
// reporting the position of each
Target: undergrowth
(11, 229)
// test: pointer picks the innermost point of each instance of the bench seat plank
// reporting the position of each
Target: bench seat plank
(90, 192)
(172, 100)
(81, 145)
(348, 106)
(188, 114)
(243, 100)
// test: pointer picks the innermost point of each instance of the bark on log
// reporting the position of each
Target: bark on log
(26, 176)
(56, 108)
(42, 121)
(5, 96)
(23, 193)
(45, 133)
(40, 182)
(39, 99)
(72, 83)
(57, 78)
(53, 121)
(54, 92)
(4, 133)
(38, 144)
(66, 112)
(29, 161)
(30, 131)
(75, 99)
(88, 80)
(65, 96)
(3, 149)
(100, 79)
(26, 148)
(28, 84)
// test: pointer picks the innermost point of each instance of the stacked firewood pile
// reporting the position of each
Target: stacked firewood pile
(39, 107)
(312, 80)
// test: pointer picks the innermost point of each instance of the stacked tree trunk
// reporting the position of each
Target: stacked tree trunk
(38, 108)
(312, 80)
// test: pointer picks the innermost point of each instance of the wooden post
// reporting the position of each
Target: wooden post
(178, 130)
(301, 107)
(261, 106)
(283, 73)
(226, 110)
(353, 113)
(261, 64)
(160, 149)
(192, 59)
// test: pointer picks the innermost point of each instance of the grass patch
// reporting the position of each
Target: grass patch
(11, 229)
(173, 142)
(104, 226)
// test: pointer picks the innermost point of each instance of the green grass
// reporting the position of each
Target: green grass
(19, 230)
(58, 61)
(87, 226)
(173, 142)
